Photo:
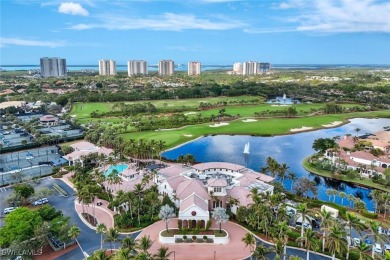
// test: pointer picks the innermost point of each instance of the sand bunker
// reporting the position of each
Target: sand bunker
(303, 128)
(335, 123)
(279, 105)
(188, 135)
(190, 113)
(249, 120)
(218, 125)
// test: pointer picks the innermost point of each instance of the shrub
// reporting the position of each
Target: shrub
(208, 224)
(198, 224)
(204, 237)
(370, 215)
(184, 237)
(293, 234)
(193, 237)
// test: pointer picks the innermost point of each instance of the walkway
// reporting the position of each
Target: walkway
(102, 213)
(235, 249)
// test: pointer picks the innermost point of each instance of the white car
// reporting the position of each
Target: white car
(40, 201)
(387, 247)
(9, 210)
(378, 248)
(356, 241)
(380, 230)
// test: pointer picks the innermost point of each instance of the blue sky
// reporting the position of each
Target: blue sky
(210, 31)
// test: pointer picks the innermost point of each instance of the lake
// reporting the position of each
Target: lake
(289, 149)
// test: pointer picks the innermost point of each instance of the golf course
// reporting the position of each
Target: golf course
(245, 121)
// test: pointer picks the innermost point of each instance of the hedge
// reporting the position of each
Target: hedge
(369, 214)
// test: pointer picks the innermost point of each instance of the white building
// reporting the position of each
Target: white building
(137, 67)
(194, 68)
(237, 68)
(198, 189)
(53, 67)
(107, 67)
(250, 68)
(165, 67)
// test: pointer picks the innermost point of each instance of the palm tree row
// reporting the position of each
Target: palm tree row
(131, 249)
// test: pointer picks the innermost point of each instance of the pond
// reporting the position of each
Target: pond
(283, 100)
(289, 149)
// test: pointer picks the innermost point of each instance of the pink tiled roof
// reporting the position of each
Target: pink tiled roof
(173, 170)
(241, 194)
(186, 188)
(252, 176)
(78, 153)
(193, 200)
(347, 142)
(175, 181)
(218, 165)
(363, 155)
(217, 182)
(384, 159)
(83, 145)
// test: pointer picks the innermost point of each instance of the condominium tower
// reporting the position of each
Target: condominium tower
(165, 67)
(107, 67)
(53, 67)
(237, 68)
(250, 68)
(194, 68)
(137, 67)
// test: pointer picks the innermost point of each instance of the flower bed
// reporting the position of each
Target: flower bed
(173, 237)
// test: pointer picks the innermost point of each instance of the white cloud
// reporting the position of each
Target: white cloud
(33, 43)
(72, 8)
(166, 22)
(331, 16)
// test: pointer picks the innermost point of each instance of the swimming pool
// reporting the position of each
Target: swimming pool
(120, 168)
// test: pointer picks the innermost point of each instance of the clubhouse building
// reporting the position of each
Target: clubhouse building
(198, 189)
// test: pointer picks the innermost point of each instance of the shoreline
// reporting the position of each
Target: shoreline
(311, 170)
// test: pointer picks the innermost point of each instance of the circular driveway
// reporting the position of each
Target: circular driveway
(233, 250)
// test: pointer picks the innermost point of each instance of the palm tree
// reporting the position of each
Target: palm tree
(123, 254)
(386, 198)
(145, 244)
(329, 193)
(162, 253)
(302, 212)
(336, 242)
(101, 228)
(326, 222)
(377, 237)
(112, 235)
(353, 222)
(249, 240)
(293, 257)
(260, 252)
(166, 213)
(99, 255)
(129, 243)
(362, 249)
(220, 216)
(138, 191)
(351, 199)
(282, 230)
(282, 170)
(293, 177)
(310, 240)
(73, 233)
(342, 195)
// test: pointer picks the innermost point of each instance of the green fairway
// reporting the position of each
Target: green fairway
(83, 110)
(264, 127)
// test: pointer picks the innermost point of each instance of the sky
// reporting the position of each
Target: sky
(210, 31)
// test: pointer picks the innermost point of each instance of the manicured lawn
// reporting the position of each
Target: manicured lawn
(324, 173)
(263, 127)
(83, 110)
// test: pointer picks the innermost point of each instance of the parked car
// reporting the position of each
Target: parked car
(378, 248)
(387, 247)
(380, 231)
(40, 201)
(368, 242)
(356, 241)
(9, 210)
(314, 223)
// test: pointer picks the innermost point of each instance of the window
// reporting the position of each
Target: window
(165, 186)
(217, 189)
(217, 203)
